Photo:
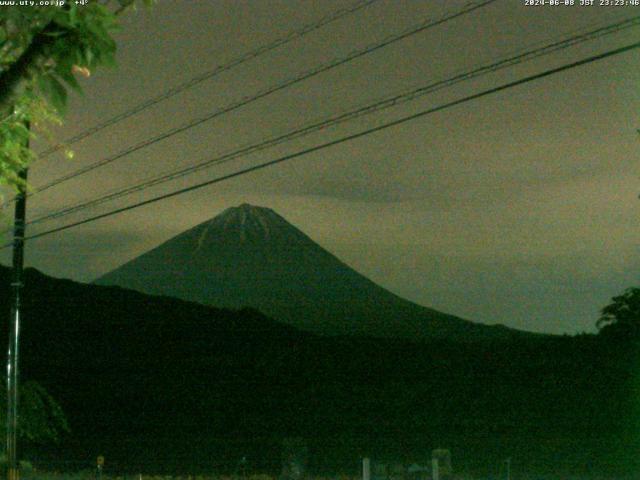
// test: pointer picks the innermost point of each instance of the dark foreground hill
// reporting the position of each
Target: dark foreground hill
(161, 385)
(252, 257)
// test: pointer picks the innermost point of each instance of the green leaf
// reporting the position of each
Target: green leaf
(98, 29)
(59, 98)
(62, 18)
(54, 91)
(44, 85)
(89, 56)
(73, 15)
(66, 74)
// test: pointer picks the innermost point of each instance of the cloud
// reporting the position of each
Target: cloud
(81, 255)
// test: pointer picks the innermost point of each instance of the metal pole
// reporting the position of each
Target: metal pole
(14, 329)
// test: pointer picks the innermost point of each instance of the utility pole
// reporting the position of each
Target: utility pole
(14, 327)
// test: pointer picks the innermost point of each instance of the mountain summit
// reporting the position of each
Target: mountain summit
(248, 221)
(250, 256)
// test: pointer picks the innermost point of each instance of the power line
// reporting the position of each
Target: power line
(384, 103)
(344, 139)
(422, 26)
(192, 82)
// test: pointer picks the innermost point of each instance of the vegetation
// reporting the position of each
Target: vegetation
(622, 316)
(499, 474)
(42, 49)
(42, 420)
(207, 387)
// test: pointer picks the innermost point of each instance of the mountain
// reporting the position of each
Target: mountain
(252, 257)
(161, 385)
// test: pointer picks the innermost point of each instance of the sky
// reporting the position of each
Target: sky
(518, 208)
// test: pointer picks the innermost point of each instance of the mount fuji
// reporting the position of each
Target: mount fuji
(250, 256)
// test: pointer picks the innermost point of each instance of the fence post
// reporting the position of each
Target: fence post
(366, 469)
(435, 465)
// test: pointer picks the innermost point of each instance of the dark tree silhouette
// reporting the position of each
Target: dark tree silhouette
(42, 420)
(622, 315)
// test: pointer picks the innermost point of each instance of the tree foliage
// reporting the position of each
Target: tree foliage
(41, 419)
(622, 315)
(42, 49)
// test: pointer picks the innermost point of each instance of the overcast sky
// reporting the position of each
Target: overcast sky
(519, 208)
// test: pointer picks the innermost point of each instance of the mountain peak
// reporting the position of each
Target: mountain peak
(247, 207)
(248, 221)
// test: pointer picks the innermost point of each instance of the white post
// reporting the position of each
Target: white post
(366, 469)
(435, 468)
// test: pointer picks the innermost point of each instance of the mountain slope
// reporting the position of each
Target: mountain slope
(252, 257)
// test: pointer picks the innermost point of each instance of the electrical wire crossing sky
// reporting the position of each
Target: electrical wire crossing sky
(479, 158)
